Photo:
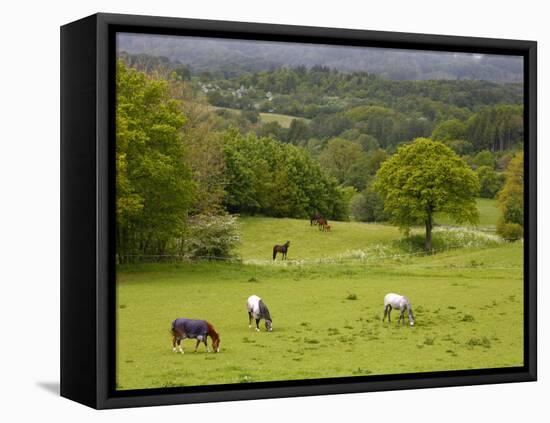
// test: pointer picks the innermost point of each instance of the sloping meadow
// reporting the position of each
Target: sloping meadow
(327, 304)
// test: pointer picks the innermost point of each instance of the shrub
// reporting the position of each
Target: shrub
(509, 231)
(490, 181)
(211, 236)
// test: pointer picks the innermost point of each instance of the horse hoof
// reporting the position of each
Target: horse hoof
(257, 330)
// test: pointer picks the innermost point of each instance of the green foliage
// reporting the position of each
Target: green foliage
(425, 177)
(298, 132)
(273, 130)
(211, 236)
(275, 179)
(509, 231)
(346, 161)
(368, 206)
(490, 181)
(484, 158)
(452, 129)
(496, 128)
(460, 147)
(153, 182)
(379, 122)
(511, 201)
(251, 115)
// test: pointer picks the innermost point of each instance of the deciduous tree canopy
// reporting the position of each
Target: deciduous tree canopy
(425, 177)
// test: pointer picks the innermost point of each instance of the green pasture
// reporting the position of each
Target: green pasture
(468, 304)
(284, 120)
(488, 214)
(259, 234)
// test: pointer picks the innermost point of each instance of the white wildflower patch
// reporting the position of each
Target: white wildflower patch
(456, 237)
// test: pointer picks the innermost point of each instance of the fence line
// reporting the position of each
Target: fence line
(328, 260)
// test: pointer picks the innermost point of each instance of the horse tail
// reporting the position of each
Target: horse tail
(274, 252)
(264, 312)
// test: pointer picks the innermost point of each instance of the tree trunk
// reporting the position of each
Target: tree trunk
(428, 240)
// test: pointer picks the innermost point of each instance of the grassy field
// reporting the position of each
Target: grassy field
(488, 214)
(283, 120)
(468, 304)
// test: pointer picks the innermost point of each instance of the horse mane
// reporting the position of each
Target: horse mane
(264, 312)
(212, 332)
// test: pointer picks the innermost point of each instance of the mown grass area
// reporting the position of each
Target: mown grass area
(488, 214)
(468, 304)
(259, 234)
(346, 239)
(284, 120)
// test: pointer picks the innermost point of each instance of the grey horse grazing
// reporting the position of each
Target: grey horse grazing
(401, 303)
(258, 310)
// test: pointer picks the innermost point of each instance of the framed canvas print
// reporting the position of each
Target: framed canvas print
(258, 211)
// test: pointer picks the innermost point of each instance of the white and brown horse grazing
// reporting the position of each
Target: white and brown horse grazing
(400, 303)
(196, 329)
(281, 249)
(258, 310)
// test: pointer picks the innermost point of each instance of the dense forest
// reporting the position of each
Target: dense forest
(195, 147)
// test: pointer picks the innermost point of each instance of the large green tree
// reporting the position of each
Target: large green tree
(425, 177)
(154, 183)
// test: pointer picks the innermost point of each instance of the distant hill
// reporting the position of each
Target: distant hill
(234, 57)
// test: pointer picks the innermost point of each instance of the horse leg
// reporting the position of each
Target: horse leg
(206, 344)
(401, 316)
(197, 345)
(179, 346)
(174, 343)
(257, 325)
(389, 313)
(249, 320)
(385, 314)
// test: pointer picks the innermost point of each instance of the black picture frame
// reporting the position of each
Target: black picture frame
(87, 211)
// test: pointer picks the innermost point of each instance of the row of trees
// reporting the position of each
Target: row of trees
(177, 176)
(276, 179)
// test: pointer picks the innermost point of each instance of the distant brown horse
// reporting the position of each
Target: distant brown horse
(322, 223)
(314, 220)
(281, 249)
(327, 228)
